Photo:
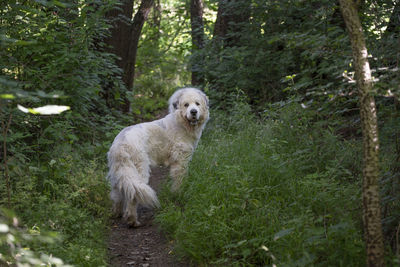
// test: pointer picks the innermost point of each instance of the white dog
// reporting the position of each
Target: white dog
(169, 141)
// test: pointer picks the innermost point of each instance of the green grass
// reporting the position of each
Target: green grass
(63, 207)
(278, 191)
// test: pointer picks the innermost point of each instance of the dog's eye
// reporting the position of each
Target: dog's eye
(197, 103)
(186, 105)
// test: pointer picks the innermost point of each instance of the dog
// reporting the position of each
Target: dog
(169, 141)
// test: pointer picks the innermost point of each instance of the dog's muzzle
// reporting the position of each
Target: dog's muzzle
(193, 117)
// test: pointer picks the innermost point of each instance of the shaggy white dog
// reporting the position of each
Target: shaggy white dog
(169, 141)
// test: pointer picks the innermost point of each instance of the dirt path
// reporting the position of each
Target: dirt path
(144, 246)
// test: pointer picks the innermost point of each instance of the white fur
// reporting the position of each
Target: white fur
(169, 141)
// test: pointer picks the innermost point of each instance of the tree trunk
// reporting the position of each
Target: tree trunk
(125, 38)
(232, 15)
(221, 23)
(371, 198)
(120, 18)
(135, 32)
(196, 21)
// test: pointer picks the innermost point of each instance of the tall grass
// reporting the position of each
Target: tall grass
(61, 199)
(67, 196)
(281, 190)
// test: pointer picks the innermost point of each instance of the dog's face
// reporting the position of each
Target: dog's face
(193, 106)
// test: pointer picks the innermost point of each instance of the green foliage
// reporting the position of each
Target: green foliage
(291, 198)
(56, 181)
(283, 190)
(303, 40)
(390, 164)
(145, 106)
(281, 39)
(54, 53)
(68, 196)
(53, 167)
(13, 241)
(164, 50)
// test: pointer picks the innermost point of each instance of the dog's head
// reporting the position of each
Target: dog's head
(192, 105)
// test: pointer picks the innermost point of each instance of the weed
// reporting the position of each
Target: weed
(261, 192)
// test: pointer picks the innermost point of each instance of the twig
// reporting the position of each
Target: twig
(6, 173)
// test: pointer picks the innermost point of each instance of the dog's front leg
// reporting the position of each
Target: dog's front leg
(178, 168)
(179, 161)
(177, 172)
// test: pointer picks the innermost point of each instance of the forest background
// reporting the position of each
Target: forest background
(277, 176)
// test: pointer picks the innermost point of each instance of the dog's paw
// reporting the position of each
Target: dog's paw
(134, 223)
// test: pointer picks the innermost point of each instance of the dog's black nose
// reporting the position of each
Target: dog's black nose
(193, 111)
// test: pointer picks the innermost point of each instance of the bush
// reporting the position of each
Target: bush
(279, 191)
(67, 196)
(57, 183)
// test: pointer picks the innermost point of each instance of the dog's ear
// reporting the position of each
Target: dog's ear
(207, 101)
(173, 101)
(205, 97)
(175, 104)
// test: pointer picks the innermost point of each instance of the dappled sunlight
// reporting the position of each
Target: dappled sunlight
(277, 179)
(45, 110)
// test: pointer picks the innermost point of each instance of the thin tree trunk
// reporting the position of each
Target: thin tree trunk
(196, 20)
(371, 198)
(135, 32)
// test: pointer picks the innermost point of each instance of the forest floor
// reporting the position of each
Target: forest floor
(144, 246)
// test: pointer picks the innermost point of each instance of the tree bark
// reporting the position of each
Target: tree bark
(371, 199)
(232, 15)
(221, 23)
(134, 36)
(120, 18)
(196, 21)
(124, 39)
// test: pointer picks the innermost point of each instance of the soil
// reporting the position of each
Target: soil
(144, 246)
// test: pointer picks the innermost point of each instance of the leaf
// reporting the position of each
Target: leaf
(246, 252)
(59, 4)
(283, 233)
(7, 96)
(24, 43)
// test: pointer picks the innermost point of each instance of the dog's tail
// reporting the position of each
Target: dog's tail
(143, 193)
(132, 188)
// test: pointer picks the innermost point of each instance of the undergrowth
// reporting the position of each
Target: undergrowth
(281, 190)
(72, 201)
(59, 196)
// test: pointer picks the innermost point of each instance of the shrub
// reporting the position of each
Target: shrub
(277, 191)
(69, 197)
